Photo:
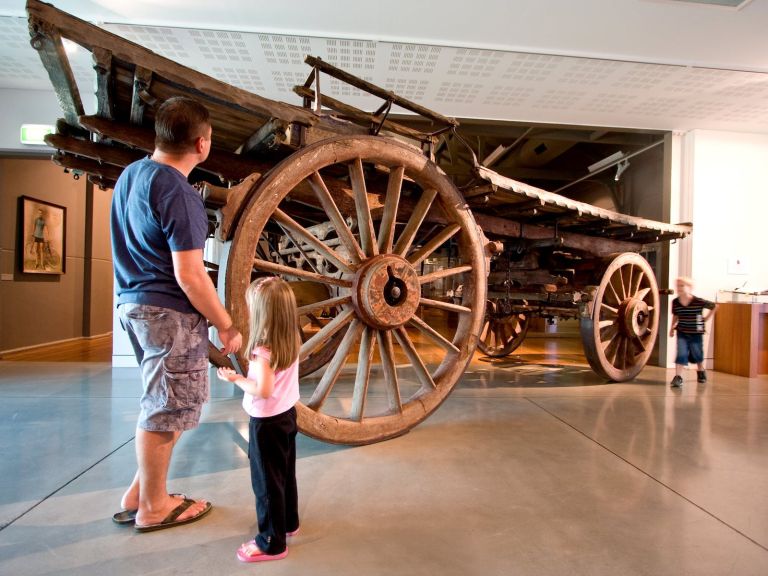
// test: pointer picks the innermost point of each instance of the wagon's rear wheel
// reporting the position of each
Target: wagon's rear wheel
(404, 366)
(502, 332)
(620, 332)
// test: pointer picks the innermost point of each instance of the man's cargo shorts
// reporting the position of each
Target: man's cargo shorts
(172, 350)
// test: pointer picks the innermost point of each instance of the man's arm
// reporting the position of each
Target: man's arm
(190, 273)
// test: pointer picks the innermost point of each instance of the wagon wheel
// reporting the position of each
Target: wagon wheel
(501, 334)
(619, 330)
(378, 284)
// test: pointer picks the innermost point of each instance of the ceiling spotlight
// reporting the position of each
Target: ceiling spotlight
(620, 167)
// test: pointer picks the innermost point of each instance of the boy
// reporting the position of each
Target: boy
(688, 319)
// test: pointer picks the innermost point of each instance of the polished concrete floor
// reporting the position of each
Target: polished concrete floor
(533, 466)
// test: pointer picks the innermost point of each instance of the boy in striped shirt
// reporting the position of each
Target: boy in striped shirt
(688, 320)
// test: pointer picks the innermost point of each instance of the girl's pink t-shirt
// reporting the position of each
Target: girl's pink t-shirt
(285, 395)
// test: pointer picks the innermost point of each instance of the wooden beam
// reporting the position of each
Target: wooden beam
(270, 135)
(99, 152)
(102, 64)
(361, 117)
(142, 79)
(71, 162)
(90, 36)
(378, 91)
(45, 38)
(225, 164)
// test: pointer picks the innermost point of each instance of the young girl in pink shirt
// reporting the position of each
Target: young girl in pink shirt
(271, 392)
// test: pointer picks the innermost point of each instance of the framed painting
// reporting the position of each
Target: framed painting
(43, 233)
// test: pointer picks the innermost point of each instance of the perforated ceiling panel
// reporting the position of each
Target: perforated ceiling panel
(459, 82)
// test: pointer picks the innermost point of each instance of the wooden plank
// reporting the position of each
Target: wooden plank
(378, 91)
(104, 171)
(45, 38)
(269, 136)
(90, 36)
(100, 152)
(227, 165)
(364, 118)
(142, 79)
(102, 63)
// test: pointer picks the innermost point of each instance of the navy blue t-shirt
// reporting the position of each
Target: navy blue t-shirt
(155, 211)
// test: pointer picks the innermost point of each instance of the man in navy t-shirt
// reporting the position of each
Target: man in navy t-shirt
(164, 299)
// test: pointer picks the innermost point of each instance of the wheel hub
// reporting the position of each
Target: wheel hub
(386, 291)
(635, 317)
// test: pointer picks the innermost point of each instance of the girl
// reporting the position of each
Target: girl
(271, 392)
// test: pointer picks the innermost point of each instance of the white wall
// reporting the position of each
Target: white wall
(725, 173)
(25, 107)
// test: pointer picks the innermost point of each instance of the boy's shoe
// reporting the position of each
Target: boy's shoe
(677, 382)
(701, 376)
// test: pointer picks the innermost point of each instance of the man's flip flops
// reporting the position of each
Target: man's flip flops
(171, 520)
(125, 517)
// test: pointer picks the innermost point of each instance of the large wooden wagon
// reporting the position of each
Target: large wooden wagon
(351, 209)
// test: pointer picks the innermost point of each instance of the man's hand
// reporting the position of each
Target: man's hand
(231, 339)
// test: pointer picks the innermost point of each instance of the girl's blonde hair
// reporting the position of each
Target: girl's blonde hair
(274, 321)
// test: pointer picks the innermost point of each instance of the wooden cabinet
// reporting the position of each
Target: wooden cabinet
(741, 339)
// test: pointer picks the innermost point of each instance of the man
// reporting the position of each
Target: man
(164, 296)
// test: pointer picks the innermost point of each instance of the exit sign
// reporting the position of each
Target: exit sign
(35, 133)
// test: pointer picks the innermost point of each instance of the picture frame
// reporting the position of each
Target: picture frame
(42, 237)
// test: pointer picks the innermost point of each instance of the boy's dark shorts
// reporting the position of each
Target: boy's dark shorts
(690, 348)
(172, 350)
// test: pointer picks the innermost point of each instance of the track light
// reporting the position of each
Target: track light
(620, 167)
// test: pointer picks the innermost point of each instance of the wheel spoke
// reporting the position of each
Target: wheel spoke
(616, 298)
(485, 332)
(620, 274)
(611, 348)
(635, 286)
(607, 334)
(324, 334)
(641, 294)
(363, 375)
(444, 305)
(437, 275)
(610, 309)
(390, 372)
(331, 373)
(433, 334)
(266, 266)
(426, 250)
(605, 323)
(414, 222)
(422, 374)
(389, 217)
(294, 227)
(332, 211)
(627, 286)
(364, 221)
(338, 301)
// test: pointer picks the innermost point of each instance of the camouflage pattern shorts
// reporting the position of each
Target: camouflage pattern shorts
(172, 350)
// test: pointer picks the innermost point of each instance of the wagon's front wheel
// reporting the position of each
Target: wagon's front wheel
(619, 329)
(403, 346)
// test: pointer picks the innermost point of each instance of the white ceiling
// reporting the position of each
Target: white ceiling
(648, 64)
